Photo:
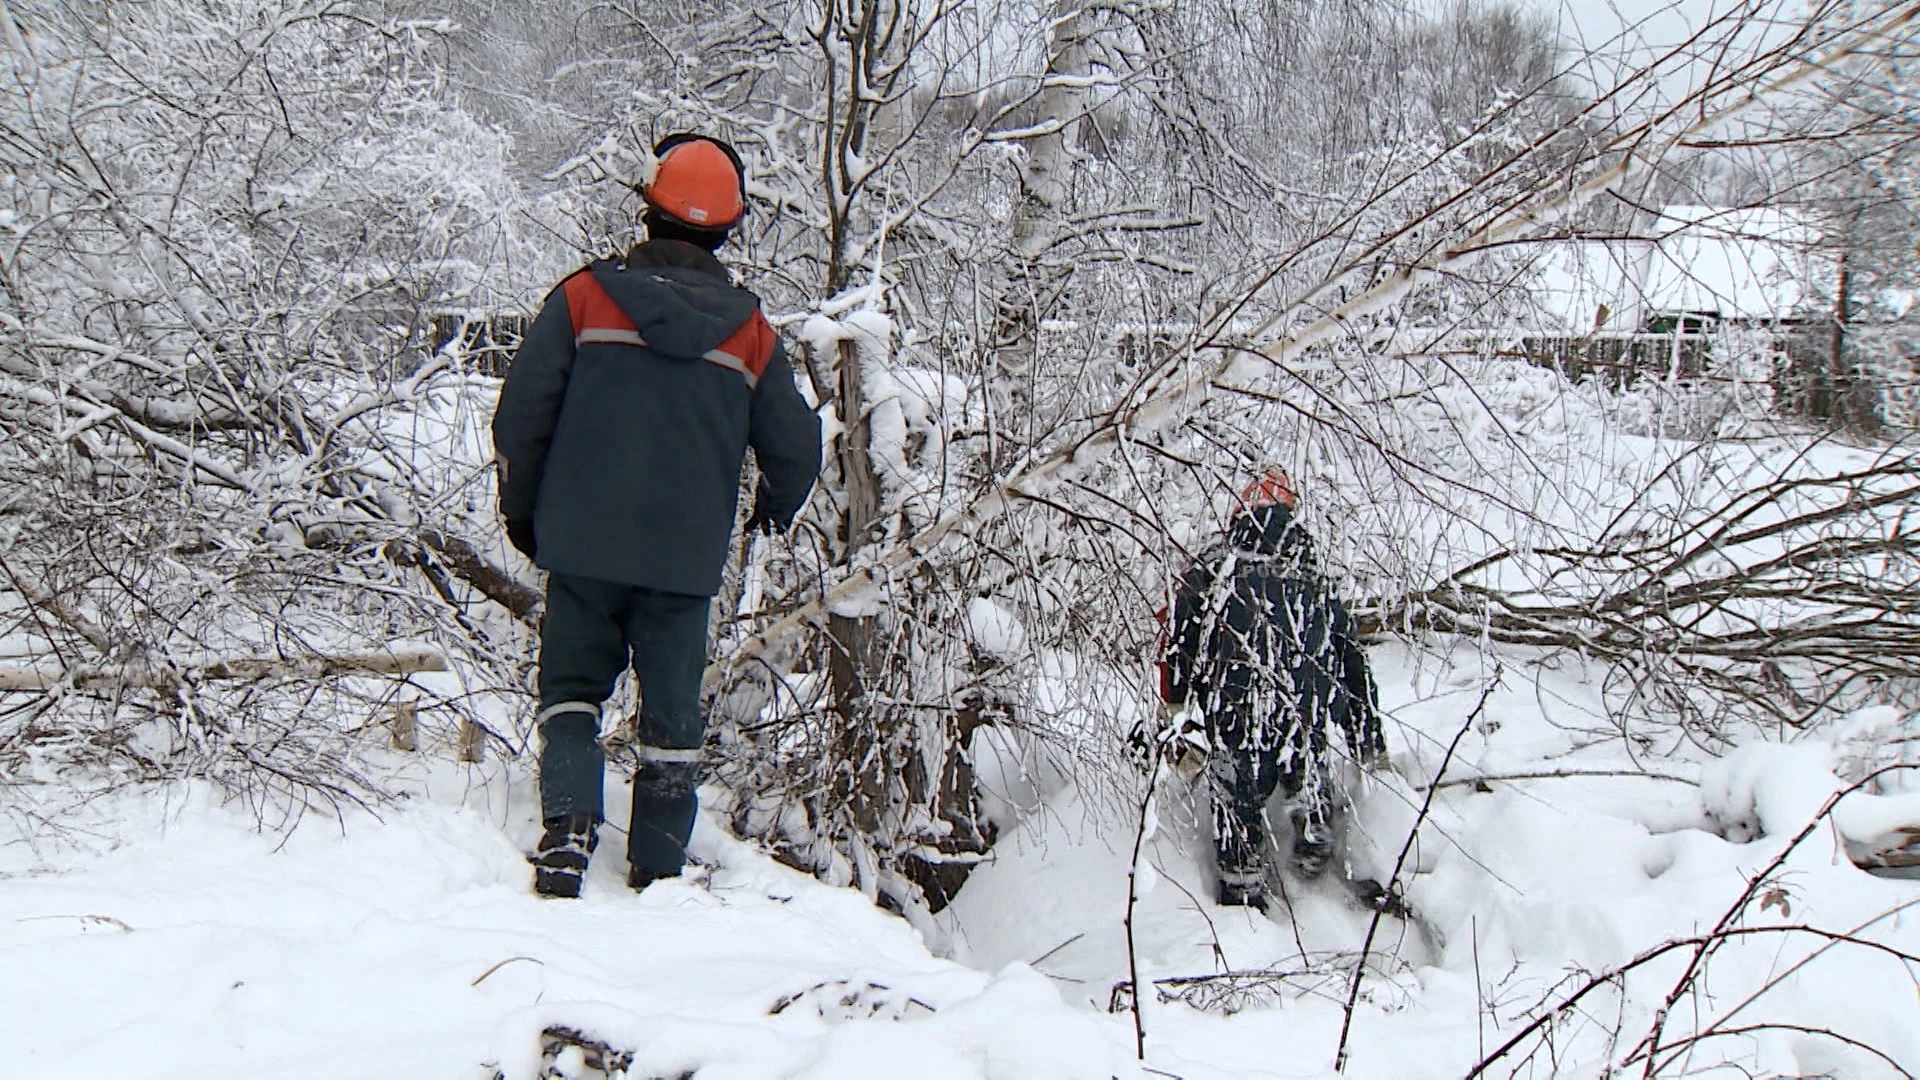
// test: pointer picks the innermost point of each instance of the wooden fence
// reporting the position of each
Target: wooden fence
(1619, 359)
(481, 344)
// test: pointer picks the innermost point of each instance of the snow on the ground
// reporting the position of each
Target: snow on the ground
(160, 934)
(1523, 890)
(410, 945)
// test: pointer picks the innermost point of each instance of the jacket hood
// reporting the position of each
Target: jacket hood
(1268, 530)
(677, 295)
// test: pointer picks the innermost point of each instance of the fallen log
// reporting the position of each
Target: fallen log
(32, 675)
(1897, 850)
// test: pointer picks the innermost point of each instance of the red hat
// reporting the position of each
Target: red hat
(1272, 488)
(697, 181)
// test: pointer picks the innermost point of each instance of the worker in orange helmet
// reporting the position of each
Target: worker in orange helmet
(1263, 647)
(622, 428)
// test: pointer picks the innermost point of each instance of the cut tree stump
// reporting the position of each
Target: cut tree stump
(473, 742)
(405, 726)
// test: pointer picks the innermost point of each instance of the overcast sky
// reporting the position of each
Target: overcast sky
(1596, 21)
(1620, 35)
(1656, 22)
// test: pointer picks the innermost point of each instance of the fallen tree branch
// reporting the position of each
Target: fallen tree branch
(1558, 774)
(1896, 850)
(466, 563)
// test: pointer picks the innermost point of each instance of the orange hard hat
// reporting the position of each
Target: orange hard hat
(1272, 488)
(697, 181)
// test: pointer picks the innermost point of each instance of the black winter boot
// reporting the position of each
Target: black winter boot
(1312, 846)
(1242, 889)
(561, 863)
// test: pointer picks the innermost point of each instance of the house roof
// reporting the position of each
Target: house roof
(1755, 263)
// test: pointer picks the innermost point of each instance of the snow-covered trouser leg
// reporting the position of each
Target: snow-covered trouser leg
(1242, 780)
(668, 632)
(1309, 783)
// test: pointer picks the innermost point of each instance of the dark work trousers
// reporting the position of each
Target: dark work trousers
(592, 629)
(1249, 763)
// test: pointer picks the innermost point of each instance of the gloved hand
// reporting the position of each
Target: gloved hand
(520, 535)
(1177, 736)
(763, 522)
(1188, 744)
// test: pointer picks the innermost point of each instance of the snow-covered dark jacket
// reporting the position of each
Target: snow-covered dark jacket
(627, 414)
(1261, 643)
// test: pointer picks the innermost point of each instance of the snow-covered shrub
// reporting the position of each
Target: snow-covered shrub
(225, 223)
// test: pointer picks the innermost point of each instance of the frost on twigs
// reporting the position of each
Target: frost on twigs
(247, 494)
(1229, 992)
(842, 999)
(570, 1054)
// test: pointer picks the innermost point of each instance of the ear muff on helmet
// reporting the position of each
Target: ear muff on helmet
(697, 181)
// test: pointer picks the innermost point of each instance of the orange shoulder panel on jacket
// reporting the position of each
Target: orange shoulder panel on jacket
(753, 344)
(591, 307)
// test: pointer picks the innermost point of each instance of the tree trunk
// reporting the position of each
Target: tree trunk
(1026, 293)
(896, 762)
(1830, 393)
(851, 639)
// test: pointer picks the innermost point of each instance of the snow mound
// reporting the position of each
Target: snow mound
(1549, 856)
(411, 945)
(166, 929)
(995, 630)
(1768, 789)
